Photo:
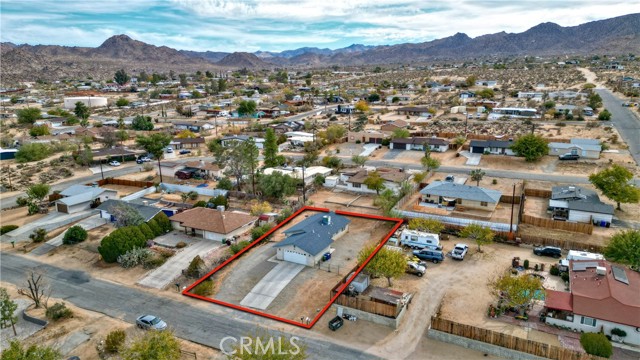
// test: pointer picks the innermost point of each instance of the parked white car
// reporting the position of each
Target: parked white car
(459, 251)
(114, 163)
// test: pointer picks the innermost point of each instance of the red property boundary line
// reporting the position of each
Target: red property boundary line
(397, 222)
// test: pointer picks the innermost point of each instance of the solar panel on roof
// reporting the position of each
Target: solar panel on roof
(620, 275)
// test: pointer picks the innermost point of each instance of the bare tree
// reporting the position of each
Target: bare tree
(38, 289)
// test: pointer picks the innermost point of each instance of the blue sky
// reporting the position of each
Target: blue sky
(276, 25)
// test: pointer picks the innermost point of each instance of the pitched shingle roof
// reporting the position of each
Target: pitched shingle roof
(491, 143)
(216, 221)
(465, 192)
(147, 212)
(312, 235)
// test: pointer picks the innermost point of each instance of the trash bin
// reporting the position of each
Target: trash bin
(603, 223)
(326, 256)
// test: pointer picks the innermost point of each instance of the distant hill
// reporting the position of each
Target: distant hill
(50, 62)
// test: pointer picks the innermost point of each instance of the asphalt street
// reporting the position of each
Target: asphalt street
(627, 124)
(189, 322)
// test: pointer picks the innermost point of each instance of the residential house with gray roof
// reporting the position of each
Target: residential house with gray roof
(574, 203)
(308, 241)
(585, 148)
(78, 198)
(450, 194)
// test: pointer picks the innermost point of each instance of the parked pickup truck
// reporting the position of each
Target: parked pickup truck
(459, 251)
(336, 323)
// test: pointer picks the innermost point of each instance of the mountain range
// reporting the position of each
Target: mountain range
(51, 62)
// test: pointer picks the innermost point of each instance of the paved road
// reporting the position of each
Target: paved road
(627, 124)
(196, 324)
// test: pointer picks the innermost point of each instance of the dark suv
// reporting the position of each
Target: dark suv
(569, 157)
(548, 251)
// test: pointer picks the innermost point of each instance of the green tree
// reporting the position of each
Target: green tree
(531, 147)
(549, 104)
(386, 263)
(518, 291)
(153, 345)
(277, 186)
(82, 111)
(239, 159)
(400, 133)
(247, 108)
(374, 181)
(34, 352)
(624, 248)
(258, 231)
(270, 151)
(84, 157)
(126, 215)
(122, 240)
(482, 235)
(121, 77)
(470, 81)
(155, 145)
(477, 175)
(28, 115)
(596, 344)
(196, 266)
(360, 123)
(122, 102)
(38, 192)
(359, 160)
(142, 123)
(332, 162)
(40, 130)
(614, 182)
(7, 311)
(430, 163)
(32, 152)
(222, 85)
(604, 115)
(386, 201)
(373, 97)
(419, 177)
(333, 133)
(74, 235)
(186, 134)
(595, 101)
(224, 184)
(426, 225)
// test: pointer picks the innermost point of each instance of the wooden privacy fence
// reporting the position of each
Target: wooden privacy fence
(508, 341)
(563, 244)
(124, 182)
(508, 199)
(546, 194)
(369, 306)
(559, 225)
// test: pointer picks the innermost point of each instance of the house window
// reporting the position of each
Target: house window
(357, 185)
(483, 203)
(428, 196)
(588, 321)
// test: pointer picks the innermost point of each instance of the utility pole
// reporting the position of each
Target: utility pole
(304, 197)
(513, 200)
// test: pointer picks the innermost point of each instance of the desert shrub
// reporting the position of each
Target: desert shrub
(526, 264)
(219, 200)
(39, 235)
(58, 311)
(22, 201)
(164, 252)
(146, 231)
(147, 167)
(258, 231)
(74, 235)
(494, 181)
(120, 241)
(181, 245)
(115, 341)
(561, 124)
(200, 203)
(195, 267)
(565, 276)
(193, 195)
(205, 288)
(235, 248)
(163, 221)
(134, 257)
(7, 228)
(618, 332)
(596, 344)
(155, 228)
(154, 262)
(554, 270)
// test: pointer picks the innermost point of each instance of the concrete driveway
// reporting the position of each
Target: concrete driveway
(165, 274)
(271, 285)
(472, 159)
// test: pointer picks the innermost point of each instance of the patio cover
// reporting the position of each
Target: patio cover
(558, 300)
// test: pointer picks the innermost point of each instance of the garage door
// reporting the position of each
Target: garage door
(477, 150)
(62, 208)
(295, 257)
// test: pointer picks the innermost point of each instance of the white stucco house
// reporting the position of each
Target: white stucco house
(585, 148)
(78, 198)
(603, 296)
(308, 241)
(577, 204)
(353, 180)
